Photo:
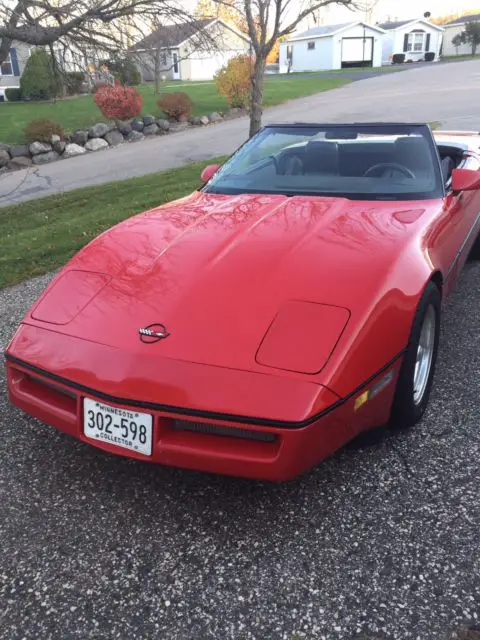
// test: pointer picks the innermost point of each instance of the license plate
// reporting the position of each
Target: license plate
(120, 427)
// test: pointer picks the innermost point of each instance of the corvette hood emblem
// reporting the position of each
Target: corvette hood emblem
(153, 333)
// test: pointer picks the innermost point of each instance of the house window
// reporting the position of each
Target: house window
(416, 41)
(311, 45)
(6, 68)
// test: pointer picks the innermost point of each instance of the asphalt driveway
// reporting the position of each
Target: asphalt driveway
(375, 543)
(448, 93)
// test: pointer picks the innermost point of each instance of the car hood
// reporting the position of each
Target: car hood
(216, 270)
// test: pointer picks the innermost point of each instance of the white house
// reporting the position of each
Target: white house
(354, 44)
(192, 51)
(453, 29)
(414, 38)
(12, 68)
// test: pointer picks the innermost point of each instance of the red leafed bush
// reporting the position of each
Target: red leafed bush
(118, 103)
(176, 105)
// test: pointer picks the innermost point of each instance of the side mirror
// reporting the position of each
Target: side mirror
(209, 172)
(465, 180)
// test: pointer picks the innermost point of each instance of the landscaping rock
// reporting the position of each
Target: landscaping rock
(39, 147)
(20, 162)
(19, 151)
(96, 144)
(163, 124)
(124, 127)
(43, 158)
(195, 121)
(134, 136)
(179, 126)
(111, 126)
(98, 130)
(214, 117)
(234, 112)
(58, 144)
(4, 147)
(148, 120)
(4, 158)
(137, 125)
(150, 130)
(114, 138)
(72, 150)
(80, 137)
(204, 120)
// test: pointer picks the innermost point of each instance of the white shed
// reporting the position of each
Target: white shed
(354, 44)
(414, 38)
(453, 29)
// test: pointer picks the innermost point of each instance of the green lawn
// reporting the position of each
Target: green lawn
(461, 58)
(41, 235)
(78, 112)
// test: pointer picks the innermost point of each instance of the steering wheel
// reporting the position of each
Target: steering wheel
(389, 165)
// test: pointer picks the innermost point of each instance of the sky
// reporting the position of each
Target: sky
(409, 9)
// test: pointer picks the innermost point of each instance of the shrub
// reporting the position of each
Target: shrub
(398, 58)
(118, 103)
(125, 70)
(74, 81)
(429, 56)
(42, 130)
(234, 81)
(13, 95)
(40, 80)
(176, 105)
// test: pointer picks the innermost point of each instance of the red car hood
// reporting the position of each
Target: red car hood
(216, 270)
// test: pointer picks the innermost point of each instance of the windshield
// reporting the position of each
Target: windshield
(374, 162)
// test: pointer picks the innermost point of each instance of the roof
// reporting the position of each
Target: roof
(473, 18)
(330, 30)
(173, 35)
(392, 26)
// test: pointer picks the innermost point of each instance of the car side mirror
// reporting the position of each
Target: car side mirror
(465, 180)
(209, 171)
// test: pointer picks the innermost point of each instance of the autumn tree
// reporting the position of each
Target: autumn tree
(225, 10)
(267, 21)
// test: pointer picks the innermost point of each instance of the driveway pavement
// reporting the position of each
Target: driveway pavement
(449, 93)
(380, 543)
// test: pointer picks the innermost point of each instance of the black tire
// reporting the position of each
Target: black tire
(475, 252)
(406, 410)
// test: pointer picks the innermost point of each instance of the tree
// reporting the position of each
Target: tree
(78, 26)
(225, 10)
(471, 35)
(268, 20)
(368, 8)
(457, 41)
(40, 79)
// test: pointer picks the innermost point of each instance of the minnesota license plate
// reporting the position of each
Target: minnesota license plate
(120, 427)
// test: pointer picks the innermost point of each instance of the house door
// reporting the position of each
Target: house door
(176, 66)
(357, 52)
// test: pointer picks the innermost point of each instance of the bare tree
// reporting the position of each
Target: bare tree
(267, 21)
(367, 8)
(80, 25)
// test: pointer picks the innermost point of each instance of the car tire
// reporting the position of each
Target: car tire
(416, 374)
(475, 251)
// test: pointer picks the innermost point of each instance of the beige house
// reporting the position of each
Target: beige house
(193, 51)
(453, 29)
(11, 70)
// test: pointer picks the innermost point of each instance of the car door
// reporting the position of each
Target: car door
(457, 227)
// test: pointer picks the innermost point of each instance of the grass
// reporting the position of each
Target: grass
(79, 112)
(463, 56)
(39, 236)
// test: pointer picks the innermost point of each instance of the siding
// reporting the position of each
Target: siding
(145, 62)
(23, 53)
(448, 48)
(305, 59)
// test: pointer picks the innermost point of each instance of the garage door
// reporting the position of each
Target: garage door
(357, 52)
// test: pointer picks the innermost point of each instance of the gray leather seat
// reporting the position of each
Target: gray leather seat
(321, 157)
(414, 154)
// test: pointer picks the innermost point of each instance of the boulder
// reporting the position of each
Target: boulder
(150, 130)
(134, 136)
(148, 120)
(43, 158)
(213, 117)
(114, 138)
(195, 121)
(98, 130)
(72, 150)
(137, 125)
(204, 120)
(234, 112)
(163, 124)
(19, 151)
(124, 127)
(20, 162)
(80, 137)
(179, 126)
(4, 158)
(4, 147)
(58, 145)
(39, 147)
(96, 144)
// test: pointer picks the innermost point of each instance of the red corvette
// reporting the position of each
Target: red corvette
(255, 326)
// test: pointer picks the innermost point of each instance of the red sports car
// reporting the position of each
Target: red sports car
(255, 326)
